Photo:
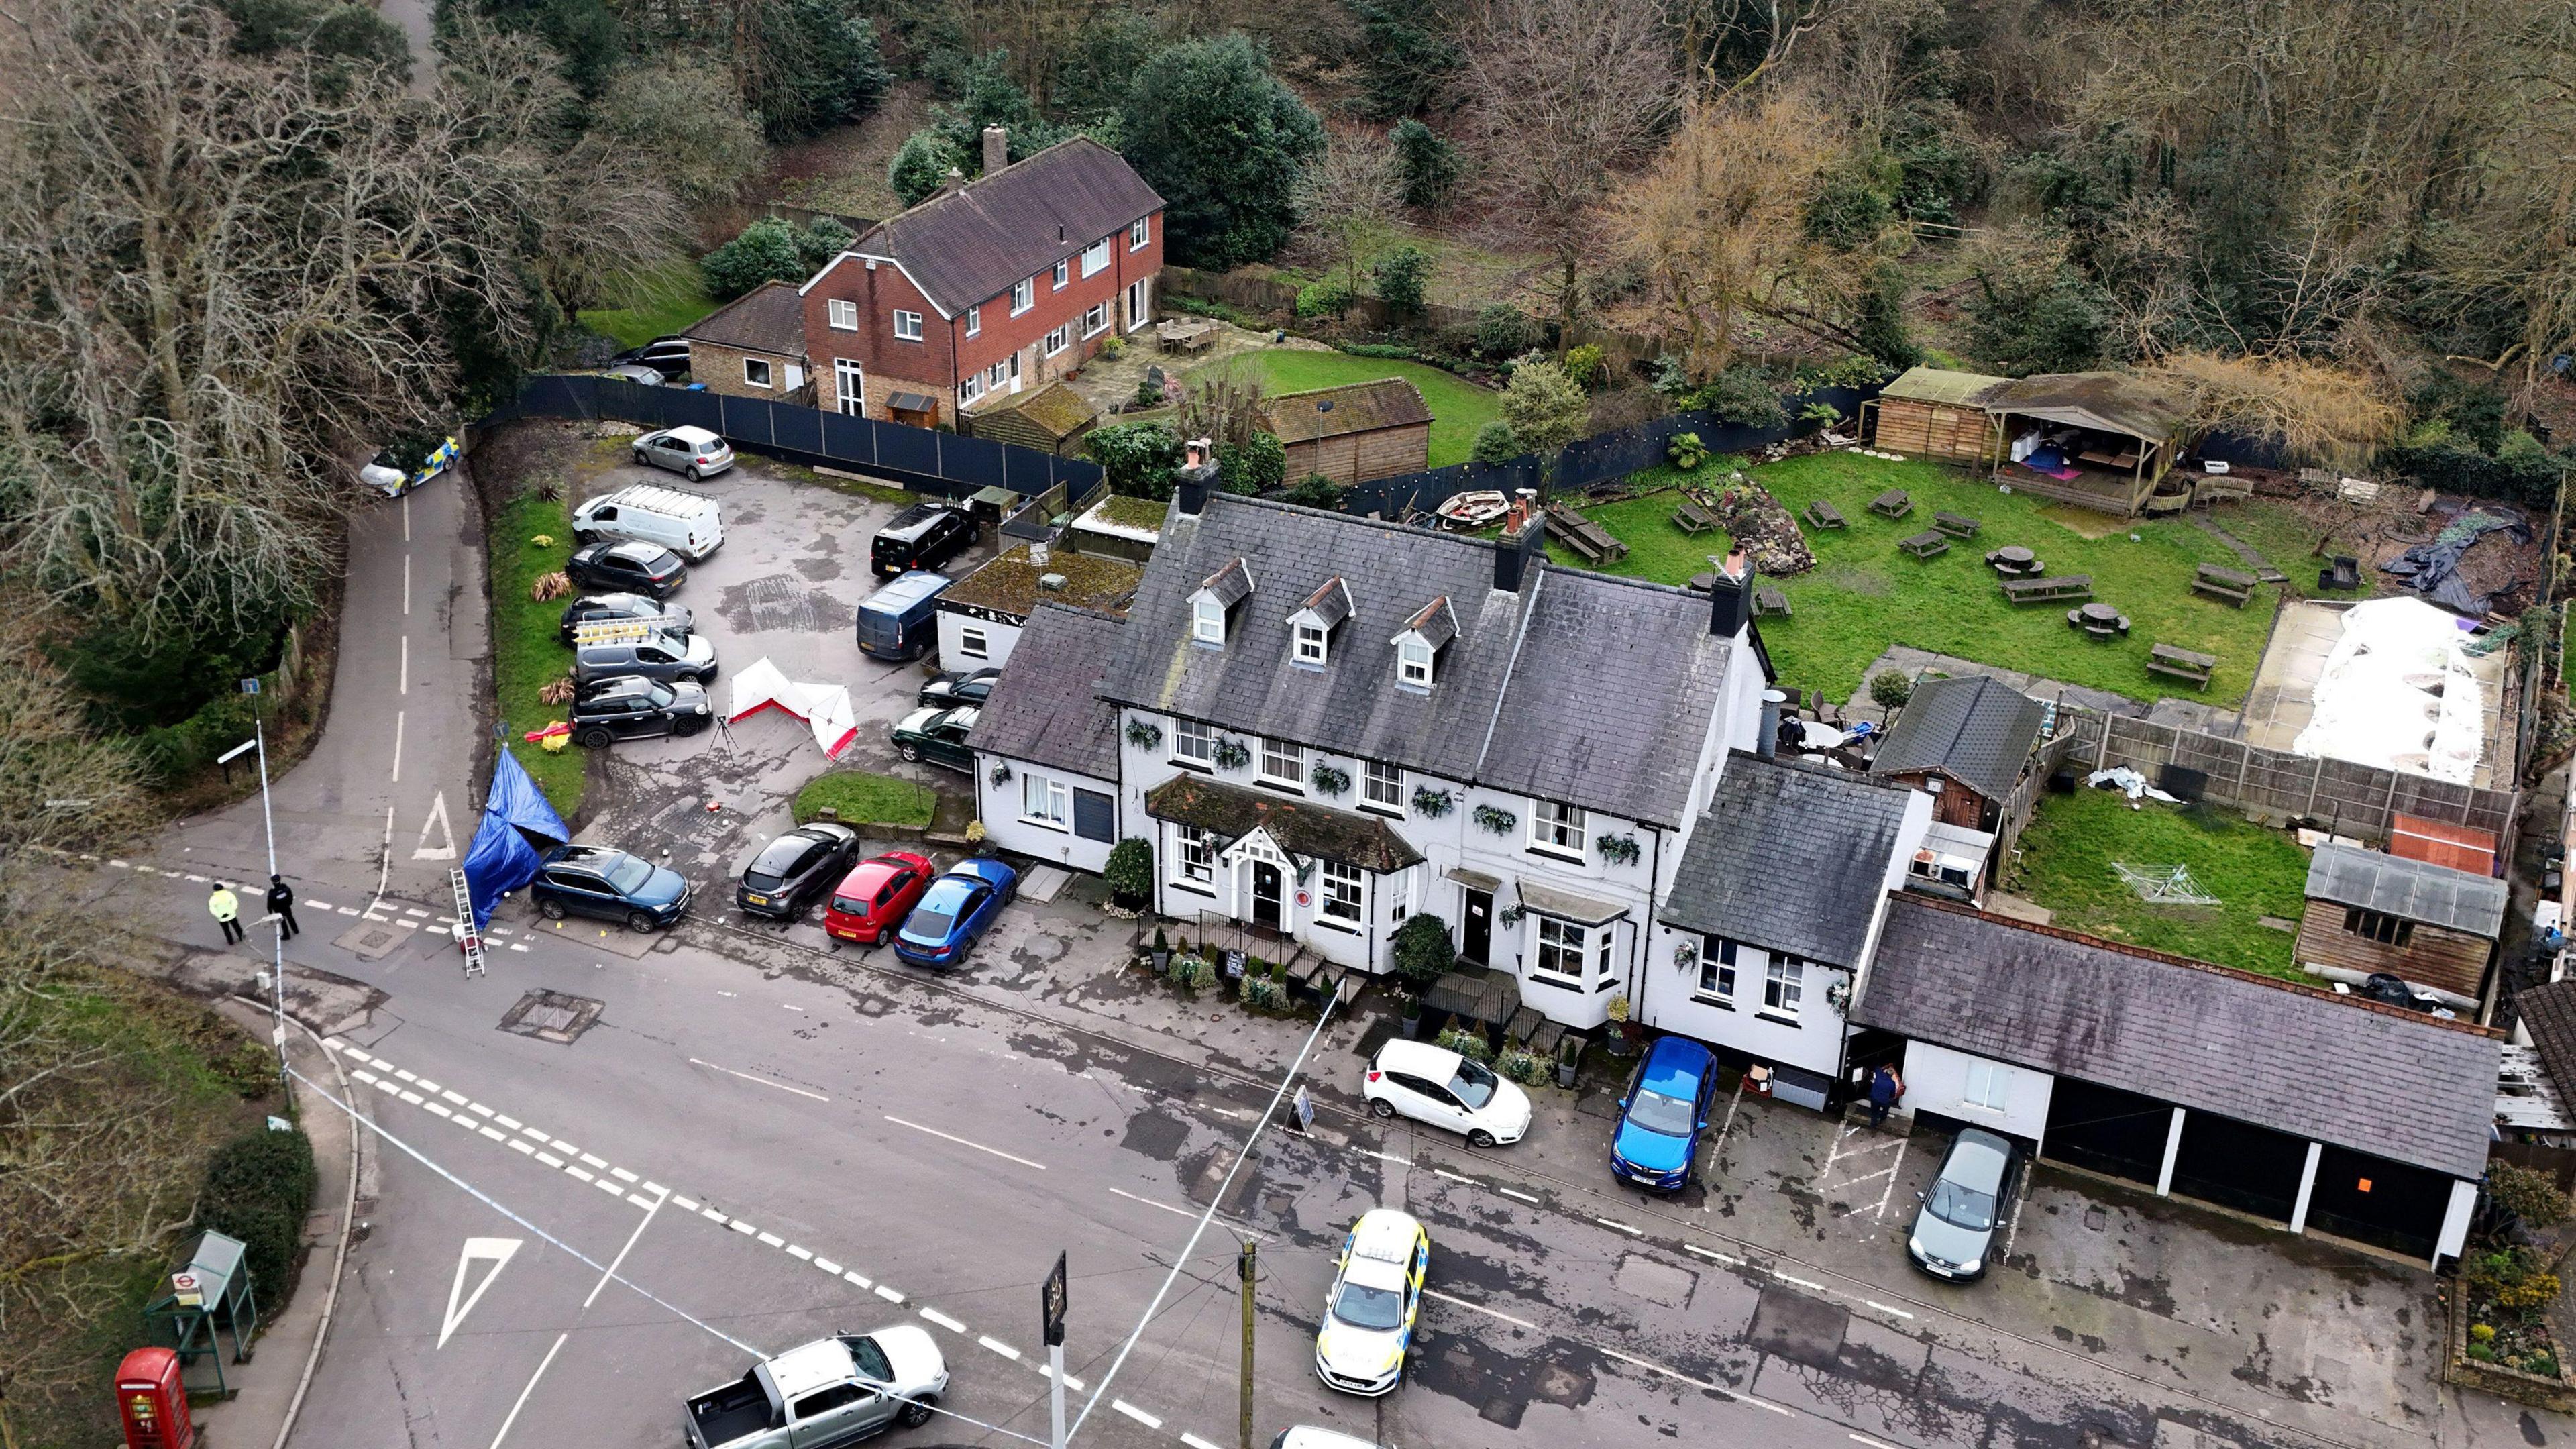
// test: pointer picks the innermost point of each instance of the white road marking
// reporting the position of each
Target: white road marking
(438, 1107)
(522, 1401)
(962, 1142)
(518, 946)
(1872, 1443)
(1622, 1227)
(1384, 1157)
(650, 1185)
(621, 1174)
(1454, 1177)
(610, 1188)
(479, 1110)
(364, 1079)
(398, 733)
(1137, 1414)
(504, 1118)
(1713, 1257)
(1883, 1308)
(997, 1346)
(406, 1076)
(346, 910)
(549, 1159)
(412, 1098)
(406, 585)
(1195, 1442)
(402, 673)
(1881, 1214)
(772, 1240)
(566, 1148)
(711, 1215)
(650, 1209)
(686, 1206)
(1801, 1282)
(855, 1279)
(744, 1228)
(1481, 1308)
(888, 1294)
(1523, 1196)
(415, 911)
(1672, 1373)
(495, 1133)
(201, 880)
(496, 1251)
(577, 1173)
(1186, 1213)
(586, 1159)
(764, 1081)
(943, 1320)
(319, 905)
(828, 1266)
(522, 1146)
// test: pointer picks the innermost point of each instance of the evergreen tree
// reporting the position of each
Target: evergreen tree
(1209, 127)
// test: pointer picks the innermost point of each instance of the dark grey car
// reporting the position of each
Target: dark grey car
(655, 656)
(1954, 1230)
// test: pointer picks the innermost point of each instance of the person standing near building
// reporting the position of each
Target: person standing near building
(281, 904)
(225, 907)
(1886, 1089)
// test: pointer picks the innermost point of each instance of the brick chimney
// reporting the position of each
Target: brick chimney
(997, 150)
(1196, 477)
(1519, 552)
(1730, 599)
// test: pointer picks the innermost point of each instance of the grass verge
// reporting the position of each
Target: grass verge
(2073, 841)
(662, 303)
(863, 798)
(1458, 407)
(527, 655)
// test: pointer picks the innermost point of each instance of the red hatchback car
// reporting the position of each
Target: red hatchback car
(876, 895)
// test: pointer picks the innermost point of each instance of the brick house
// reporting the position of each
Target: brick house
(753, 346)
(989, 288)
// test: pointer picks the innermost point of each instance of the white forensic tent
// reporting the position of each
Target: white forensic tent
(825, 707)
(2397, 691)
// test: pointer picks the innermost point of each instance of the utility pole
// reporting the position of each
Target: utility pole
(277, 947)
(1243, 1438)
(1051, 1307)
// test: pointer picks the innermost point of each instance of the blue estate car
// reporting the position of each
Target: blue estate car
(958, 908)
(593, 880)
(1663, 1114)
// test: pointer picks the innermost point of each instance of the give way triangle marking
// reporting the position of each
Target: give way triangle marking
(495, 1251)
(437, 821)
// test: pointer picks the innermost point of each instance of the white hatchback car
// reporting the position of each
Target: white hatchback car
(1375, 1298)
(694, 452)
(1436, 1085)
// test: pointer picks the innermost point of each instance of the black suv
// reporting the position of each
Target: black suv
(636, 568)
(593, 880)
(671, 619)
(923, 536)
(629, 707)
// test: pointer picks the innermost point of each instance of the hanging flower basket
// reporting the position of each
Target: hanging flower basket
(1144, 736)
(1432, 804)
(1619, 849)
(1495, 820)
(1331, 781)
(1231, 754)
(1001, 774)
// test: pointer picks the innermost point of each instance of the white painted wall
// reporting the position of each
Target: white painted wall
(999, 640)
(1003, 809)
(1938, 1079)
(1812, 1040)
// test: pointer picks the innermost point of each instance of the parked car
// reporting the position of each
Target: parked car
(671, 619)
(969, 687)
(955, 912)
(636, 372)
(636, 568)
(630, 707)
(824, 1394)
(923, 536)
(901, 620)
(793, 869)
(1954, 1230)
(394, 476)
(594, 880)
(1307, 1436)
(1663, 1114)
(876, 895)
(937, 735)
(694, 452)
(667, 355)
(1436, 1085)
(689, 524)
(1375, 1298)
(654, 656)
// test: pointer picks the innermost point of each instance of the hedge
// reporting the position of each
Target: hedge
(2453, 469)
(259, 1188)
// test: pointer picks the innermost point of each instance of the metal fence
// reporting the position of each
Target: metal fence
(922, 459)
(2346, 798)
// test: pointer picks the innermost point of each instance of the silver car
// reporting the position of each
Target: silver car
(1954, 1230)
(669, 658)
(693, 452)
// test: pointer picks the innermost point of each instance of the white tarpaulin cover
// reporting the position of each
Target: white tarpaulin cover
(2396, 692)
(826, 707)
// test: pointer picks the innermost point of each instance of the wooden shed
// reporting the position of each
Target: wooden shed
(1929, 412)
(1051, 419)
(1354, 433)
(2427, 924)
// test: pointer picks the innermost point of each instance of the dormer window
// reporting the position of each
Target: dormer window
(1310, 629)
(1413, 663)
(1207, 622)
(1310, 643)
(1213, 604)
(1417, 648)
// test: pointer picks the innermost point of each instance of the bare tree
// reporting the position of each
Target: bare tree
(1767, 30)
(2308, 409)
(1563, 96)
(1348, 200)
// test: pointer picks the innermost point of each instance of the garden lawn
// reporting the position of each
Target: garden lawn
(862, 798)
(526, 652)
(1458, 407)
(2068, 851)
(663, 304)
(1865, 593)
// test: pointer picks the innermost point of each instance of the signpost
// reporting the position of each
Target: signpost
(1051, 1306)
(1304, 1107)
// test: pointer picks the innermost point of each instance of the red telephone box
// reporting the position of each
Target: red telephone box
(152, 1403)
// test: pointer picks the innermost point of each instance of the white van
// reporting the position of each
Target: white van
(684, 523)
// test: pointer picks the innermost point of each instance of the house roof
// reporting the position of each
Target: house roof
(1043, 709)
(967, 246)
(2372, 1078)
(1522, 700)
(2114, 402)
(768, 318)
(1939, 385)
(2460, 847)
(1978, 731)
(1009, 584)
(1302, 829)
(2549, 1014)
(1789, 857)
(2412, 890)
(1355, 407)
(1056, 410)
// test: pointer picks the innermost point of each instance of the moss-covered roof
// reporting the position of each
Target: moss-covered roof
(1009, 584)
(1056, 409)
(1940, 385)
(1128, 512)
(1332, 412)
(1316, 831)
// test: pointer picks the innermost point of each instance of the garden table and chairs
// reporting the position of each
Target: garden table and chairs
(2099, 620)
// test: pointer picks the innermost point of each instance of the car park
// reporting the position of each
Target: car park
(394, 476)
(672, 619)
(1954, 1229)
(968, 687)
(650, 654)
(610, 885)
(873, 899)
(693, 452)
(923, 536)
(1662, 1115)
(937, 735)
(795, 868)
(1436, 1085)
(636, 568)
(955, 912)
(689, 524)
(630, 707)
(901, 620)
(668, 355)
(823, 1394)
(1375, 1298)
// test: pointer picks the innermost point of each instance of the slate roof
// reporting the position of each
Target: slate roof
(2549, 1014)
(968, 246)
(1977, 730)
(1057, 410)
(1233, 812)
(768, 318)
(1043, 709)
(1581, 688)
(2371, 1078)
(1789, 857)
(2411, 890)
(1333, 412)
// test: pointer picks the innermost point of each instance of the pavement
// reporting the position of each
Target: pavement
(613, 1170)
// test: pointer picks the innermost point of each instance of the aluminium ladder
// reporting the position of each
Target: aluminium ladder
(470, 939)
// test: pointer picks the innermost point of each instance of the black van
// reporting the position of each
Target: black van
(923, 536)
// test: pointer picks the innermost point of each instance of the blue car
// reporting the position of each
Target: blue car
(593, 880)
(959, 907)
(1663, 1114)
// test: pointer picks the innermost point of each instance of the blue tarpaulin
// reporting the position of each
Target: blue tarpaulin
(516, 828)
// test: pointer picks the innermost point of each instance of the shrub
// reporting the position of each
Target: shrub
(1206, 123)
(1426, 161)
(2482, 1332)
(1503, 330)
(1467, 1043)
(1544, 406)
(1496, 444)
(1626, 407)
(1395, 350)
(919, 164)
(1317, 491)
(1685, 451)
(2527, 1194)
(1744, 397)
(1402, 277)
(1260, 993)
(1130, 869)
(771, 249)
(259, 1187)
(1879, 324)
(1822, 414)
(1149, 393)
(1113, 348)
(1423, 952)
(1890, 689)
(1256, 465)
(1138, 457)
(1522, 1066)
(2482, 1352)
(1330, 297)
(1586, 366)
(1191, 973)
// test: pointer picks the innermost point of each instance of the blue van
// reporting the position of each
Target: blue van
(901, 620)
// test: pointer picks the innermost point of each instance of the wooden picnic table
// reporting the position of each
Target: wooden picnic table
(1178, 336)
(2032, 591)
(1691, 518)
(1587, 538)
(2232, 585)
(1931, 543)
(2099, 620)
(2181, 664)
(1770, 601)
(2014, 561)
(1825, 515)
(1957, 525)
(1894, 503)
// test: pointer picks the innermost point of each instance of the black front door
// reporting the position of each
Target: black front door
(1265, 894)
(1476, 937)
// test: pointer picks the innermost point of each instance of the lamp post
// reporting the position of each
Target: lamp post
(258, 741)
(1243, 1429)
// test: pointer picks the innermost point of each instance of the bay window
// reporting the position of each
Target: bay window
(1345, 893)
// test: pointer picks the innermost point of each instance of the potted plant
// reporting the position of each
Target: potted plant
(1621, 1039)
(1162, 952)
(1569, 1059)
(1130, 873)
(1422, 953)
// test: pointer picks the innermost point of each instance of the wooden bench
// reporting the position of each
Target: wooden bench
(1930, 543)
(1691, 518)
(1770, 601)
(1825, 515)
(1957, 525)
(1588, 539)
(1894, 503)
(2033, 591)
(2181, 664)
(2224, 583)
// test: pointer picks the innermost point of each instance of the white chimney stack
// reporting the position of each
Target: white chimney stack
(997, 149)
